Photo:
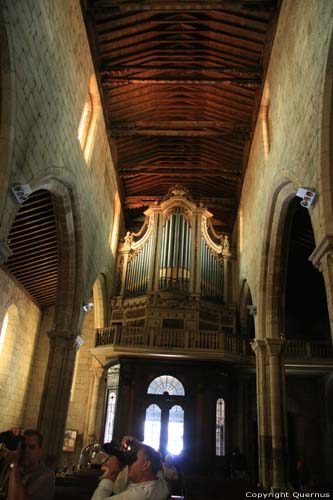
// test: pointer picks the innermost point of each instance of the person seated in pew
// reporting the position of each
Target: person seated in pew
(144, 477)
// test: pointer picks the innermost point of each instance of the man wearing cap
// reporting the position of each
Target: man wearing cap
(144, 483)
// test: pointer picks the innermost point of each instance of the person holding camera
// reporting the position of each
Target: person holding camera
(24, 476)
(144, 479)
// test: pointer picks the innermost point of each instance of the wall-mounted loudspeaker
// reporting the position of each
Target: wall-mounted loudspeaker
(21, 192)
(308, 197)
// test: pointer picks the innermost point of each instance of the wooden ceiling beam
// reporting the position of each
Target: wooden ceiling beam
(185, 124)
(242, 6)
(241, 133)
(236, 70)
(20, 247)
(249, 83)
(143, 201)
(174, 169)
(18, 260)
(24, 274)
(186, 173)
(43, 227)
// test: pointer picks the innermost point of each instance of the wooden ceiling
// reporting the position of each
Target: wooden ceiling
(33, 241)
(181, 83)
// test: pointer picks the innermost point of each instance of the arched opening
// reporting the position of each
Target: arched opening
(114, 235)
(3, 331)
(99, 297)
(12, 384)
(304, 302)
(152, 427)
(88, 122)
(34, 244)
(220, 428)
(166, 384)
(112, 387)
(176, 430)
(164, 420)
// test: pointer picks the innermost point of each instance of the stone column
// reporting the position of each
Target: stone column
(264, 437)
(56, 393)
(96, 374)
(279, 437)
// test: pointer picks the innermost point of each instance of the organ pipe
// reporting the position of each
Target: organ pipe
(171, 261)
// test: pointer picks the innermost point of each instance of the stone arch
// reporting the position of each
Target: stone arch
(7, 113)
(6, 364)
(270, 282)
(325, 176)
(8, 342)
(68, 313)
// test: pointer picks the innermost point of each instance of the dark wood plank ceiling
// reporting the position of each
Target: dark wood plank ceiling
(33, 241)
(181, 83)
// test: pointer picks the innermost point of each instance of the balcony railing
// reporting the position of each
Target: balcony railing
(201, 342)
(172, 339)
(309, 349)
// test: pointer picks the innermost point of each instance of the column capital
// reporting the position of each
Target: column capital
(63, 333)
(275, 346)
(97, 371)
(258, 346)
(322, 250)
(62, 338)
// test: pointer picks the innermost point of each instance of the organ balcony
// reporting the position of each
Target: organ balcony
(174, 293)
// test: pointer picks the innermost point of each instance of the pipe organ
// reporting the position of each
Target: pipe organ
(177, 259)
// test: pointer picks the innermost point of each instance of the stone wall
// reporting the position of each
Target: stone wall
(53, 71)
(294, 83)
(17, 350)
(46, 75)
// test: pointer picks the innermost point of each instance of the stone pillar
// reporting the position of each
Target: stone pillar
(97, 374)
(56, 393)
(279, 437)
(264, 437)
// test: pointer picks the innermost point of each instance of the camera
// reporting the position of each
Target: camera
(126, 454)
(9, 440)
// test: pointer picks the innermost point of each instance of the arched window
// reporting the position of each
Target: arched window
(110, 414)
(153, 426)
(85, 121)
(3, 331)
(111, 401)
(115, 224)
(166, 383)
(220, 427)
(176, 430)
(88, 122)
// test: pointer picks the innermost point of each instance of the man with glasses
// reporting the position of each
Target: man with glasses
(27, 476)
(145, 481)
